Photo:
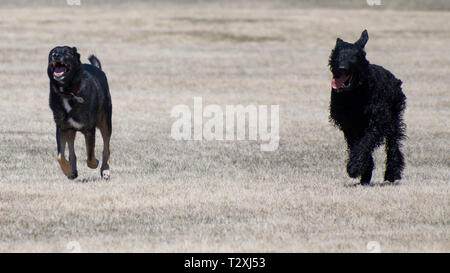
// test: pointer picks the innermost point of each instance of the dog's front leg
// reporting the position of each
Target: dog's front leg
(68, 168)
(70, 135)
(61, 146)
(360, 160)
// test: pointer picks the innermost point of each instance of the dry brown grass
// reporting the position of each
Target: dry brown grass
(176, 196)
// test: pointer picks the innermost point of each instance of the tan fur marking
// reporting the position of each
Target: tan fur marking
(92, 164)
(67, 170)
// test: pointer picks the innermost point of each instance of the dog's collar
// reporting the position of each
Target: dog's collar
(69, 95)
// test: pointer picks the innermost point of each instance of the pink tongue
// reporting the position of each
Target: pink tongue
(337, 83)
(59, 71)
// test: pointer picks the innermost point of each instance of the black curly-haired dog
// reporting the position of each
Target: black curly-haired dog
(80, 101)
(367, 104)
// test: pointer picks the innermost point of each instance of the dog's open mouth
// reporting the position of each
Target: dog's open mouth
(341, 82)
(59, 69)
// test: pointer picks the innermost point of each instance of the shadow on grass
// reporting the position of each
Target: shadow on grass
(88, 180)
(372, 185)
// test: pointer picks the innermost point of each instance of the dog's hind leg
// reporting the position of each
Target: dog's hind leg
(395, 161)
(89, 137)
(105, 129)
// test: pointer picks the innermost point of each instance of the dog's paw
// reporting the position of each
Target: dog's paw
(354, 169)
(92, 164)
(73, 175)
(105, 174)
(392, 176)
(65, 166)
(364, 182)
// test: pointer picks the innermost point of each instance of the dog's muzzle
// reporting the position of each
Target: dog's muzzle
(59, 69)
(342, 82)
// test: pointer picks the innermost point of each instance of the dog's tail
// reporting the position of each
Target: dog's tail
(95, 62)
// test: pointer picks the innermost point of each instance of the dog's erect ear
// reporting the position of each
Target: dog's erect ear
(75, 53)
(338, 41)
(363, 39)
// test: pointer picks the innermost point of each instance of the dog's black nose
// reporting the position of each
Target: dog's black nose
(56, 55)
(343, 69)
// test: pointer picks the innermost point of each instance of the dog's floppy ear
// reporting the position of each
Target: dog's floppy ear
(363, 39)
(75, 53)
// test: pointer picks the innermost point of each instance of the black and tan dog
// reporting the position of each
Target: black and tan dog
(80, 101)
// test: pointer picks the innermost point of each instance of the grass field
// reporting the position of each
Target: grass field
(177, 196)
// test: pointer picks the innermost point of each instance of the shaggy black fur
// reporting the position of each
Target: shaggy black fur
(367, 104)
